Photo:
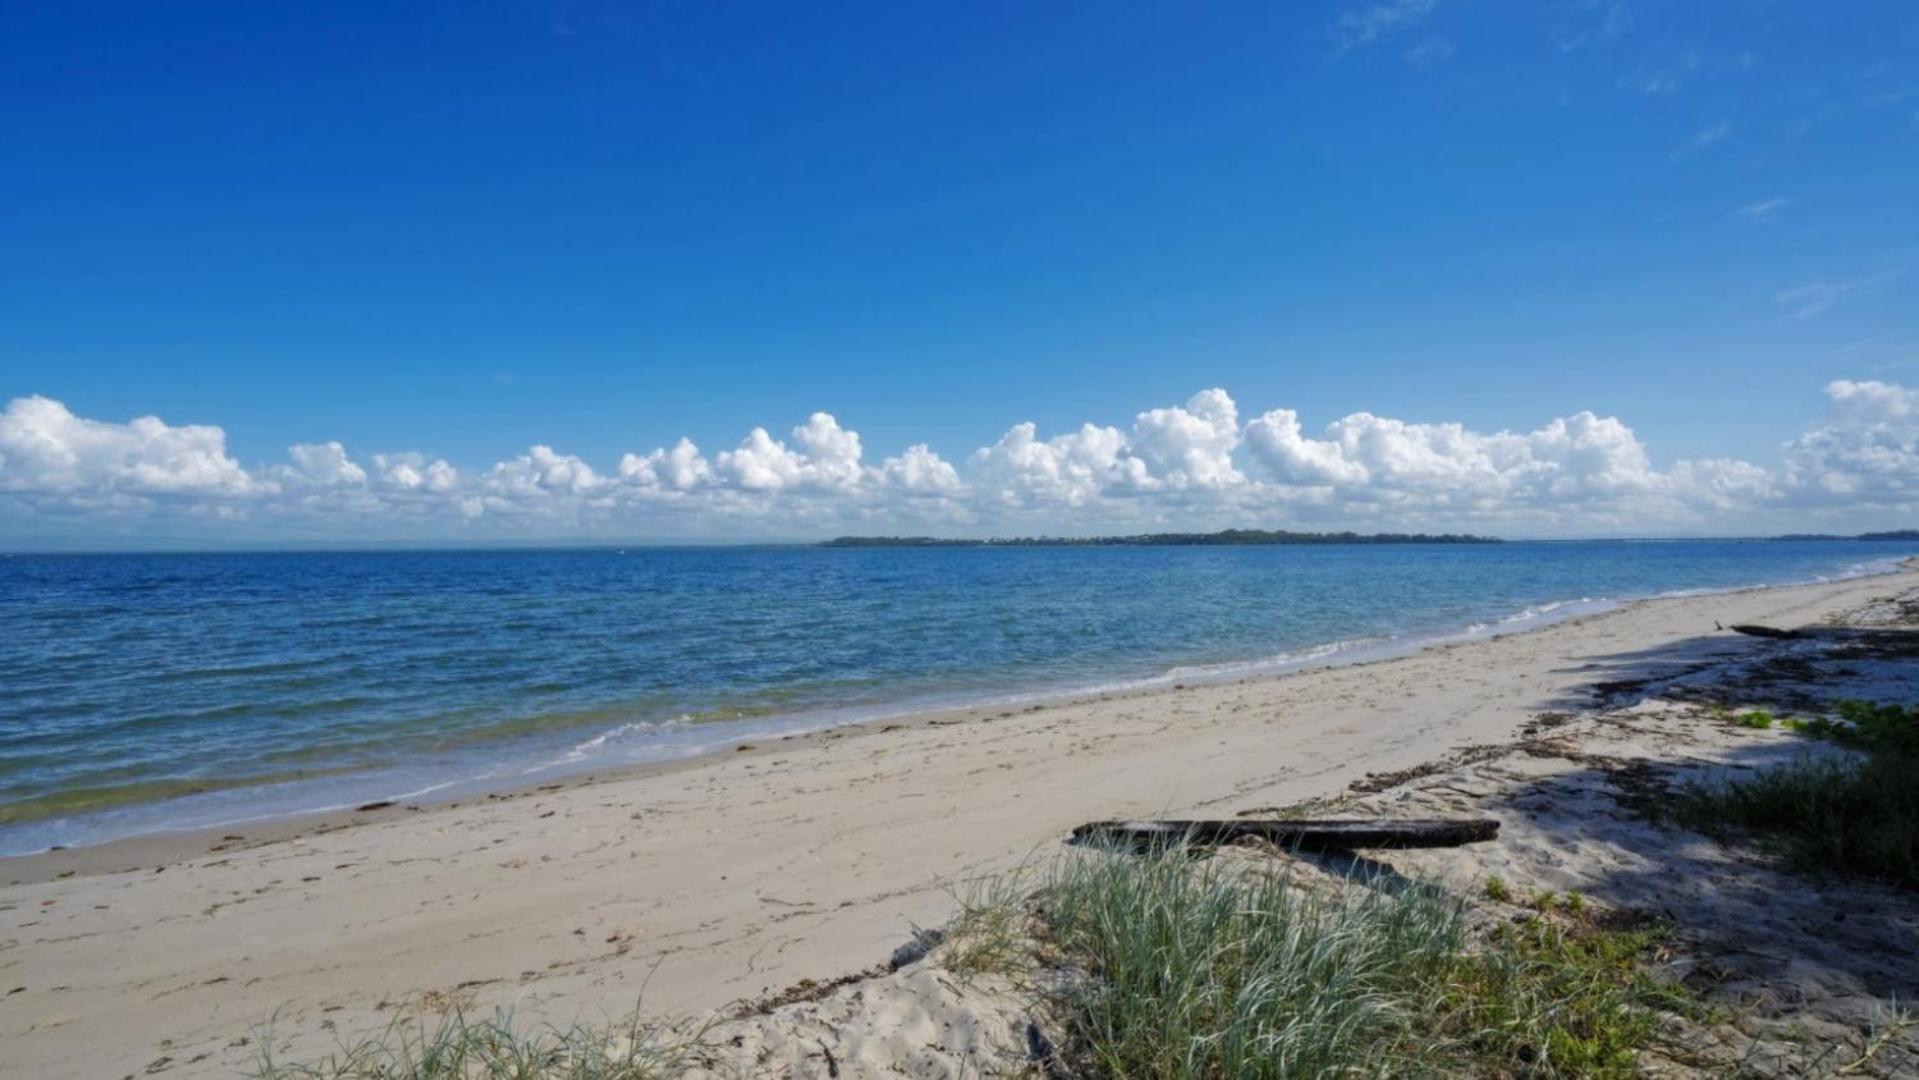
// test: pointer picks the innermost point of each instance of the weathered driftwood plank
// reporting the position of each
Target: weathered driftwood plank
(1762, 631)
(1309, 835)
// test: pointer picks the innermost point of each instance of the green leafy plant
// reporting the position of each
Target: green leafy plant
(1879, 729)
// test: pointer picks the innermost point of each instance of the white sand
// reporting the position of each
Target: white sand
(741, 875)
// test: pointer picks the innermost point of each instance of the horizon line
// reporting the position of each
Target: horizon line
(376, 547)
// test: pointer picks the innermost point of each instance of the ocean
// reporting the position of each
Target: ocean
(141, 693)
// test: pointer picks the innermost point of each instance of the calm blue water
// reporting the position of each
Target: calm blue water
(140, 692)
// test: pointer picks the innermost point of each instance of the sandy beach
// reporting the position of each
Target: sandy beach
(727, 879)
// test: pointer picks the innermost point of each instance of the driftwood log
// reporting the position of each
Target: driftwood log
(1762, 631)
(1295, 835)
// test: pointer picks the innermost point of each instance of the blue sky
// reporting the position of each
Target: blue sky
(465, 231)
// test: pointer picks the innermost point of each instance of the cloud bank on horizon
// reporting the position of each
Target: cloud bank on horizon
(1192, 466)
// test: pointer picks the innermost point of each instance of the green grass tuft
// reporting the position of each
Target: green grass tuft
(989, 936)
(1858, 817)
(1757, 718)
(1198, 970)
(452, 1045)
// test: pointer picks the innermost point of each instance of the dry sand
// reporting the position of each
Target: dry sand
(812, 858)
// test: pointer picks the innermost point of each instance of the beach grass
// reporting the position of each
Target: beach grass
(1201, 968)
(992, 932)
(1855, 814)
(452, 1044)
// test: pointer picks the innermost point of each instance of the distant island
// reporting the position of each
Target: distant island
(1225, 537)
(1896, 534)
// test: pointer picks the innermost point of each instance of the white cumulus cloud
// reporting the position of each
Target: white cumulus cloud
(827, 456)
(1866, 451)
(411, 471)
(679, 469)
(1067, 470)
(45, 448)
(1582, 456)
(1190, 446)
(543, 472)
(1188, 466)
(920, 471)
(323, 465)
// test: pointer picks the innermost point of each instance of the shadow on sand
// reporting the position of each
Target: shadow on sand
(1807, 959)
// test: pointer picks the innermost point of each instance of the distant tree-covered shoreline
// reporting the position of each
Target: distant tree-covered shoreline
(1896, 534)
(1223, 538)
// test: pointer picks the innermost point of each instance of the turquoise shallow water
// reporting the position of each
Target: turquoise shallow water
(144, 692)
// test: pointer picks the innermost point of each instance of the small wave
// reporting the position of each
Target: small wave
(1849, 572)
(601, 739)
(582, 750)
(1291, 659)
(235, 671)
(1555, 610)
(1222, 671)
